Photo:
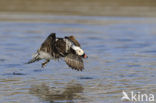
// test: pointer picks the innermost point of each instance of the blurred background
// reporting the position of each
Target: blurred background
(119, 36)
(137, 8)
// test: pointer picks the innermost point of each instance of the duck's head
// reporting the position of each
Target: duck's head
(76, 47)
(79, 51)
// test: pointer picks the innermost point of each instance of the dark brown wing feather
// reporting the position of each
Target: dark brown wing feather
(74, 61)
(60, 46)
(48, 43)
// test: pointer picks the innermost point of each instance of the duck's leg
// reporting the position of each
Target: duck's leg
(44, 64)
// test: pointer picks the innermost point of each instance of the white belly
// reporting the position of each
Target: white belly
(44, 55)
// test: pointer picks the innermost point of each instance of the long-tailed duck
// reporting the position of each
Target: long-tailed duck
(56, 48)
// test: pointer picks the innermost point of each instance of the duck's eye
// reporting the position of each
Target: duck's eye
(79, 52)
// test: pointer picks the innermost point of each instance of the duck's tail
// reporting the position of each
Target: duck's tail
(35, 58)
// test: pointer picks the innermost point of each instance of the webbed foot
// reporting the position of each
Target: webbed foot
(44, 64)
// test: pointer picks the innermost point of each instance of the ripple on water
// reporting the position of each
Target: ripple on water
(15, 73)
(85, 77)
(2, 60)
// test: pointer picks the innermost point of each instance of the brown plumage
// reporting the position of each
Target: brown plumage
(72, 38)
(74, 61)
(56, 48)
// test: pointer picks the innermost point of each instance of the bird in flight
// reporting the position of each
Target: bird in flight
(56, 48)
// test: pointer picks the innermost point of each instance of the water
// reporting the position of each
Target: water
(121, 54)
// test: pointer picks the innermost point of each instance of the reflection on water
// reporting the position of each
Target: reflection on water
(53, 94)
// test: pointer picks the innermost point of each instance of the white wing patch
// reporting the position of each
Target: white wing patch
(68, 44)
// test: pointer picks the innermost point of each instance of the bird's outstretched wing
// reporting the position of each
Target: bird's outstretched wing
(47, 45)
(74, 61)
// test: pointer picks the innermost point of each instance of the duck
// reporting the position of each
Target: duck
(55, 48)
